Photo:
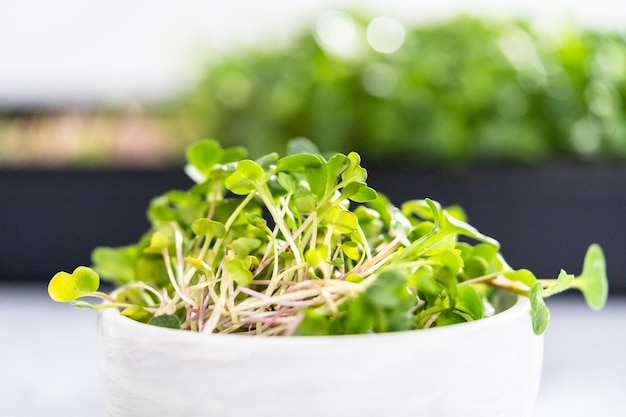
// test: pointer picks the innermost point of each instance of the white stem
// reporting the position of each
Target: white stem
(180, 261)
(170, 273)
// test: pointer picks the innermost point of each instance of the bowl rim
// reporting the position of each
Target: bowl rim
(113, 317)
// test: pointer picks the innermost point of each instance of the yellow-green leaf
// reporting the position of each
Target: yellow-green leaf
(65, 287)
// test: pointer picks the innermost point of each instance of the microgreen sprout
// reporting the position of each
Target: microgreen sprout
(301, 245)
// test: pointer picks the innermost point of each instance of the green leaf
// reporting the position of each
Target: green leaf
(354, 171)
(86, 279)
(316, 177)
(474, 267)
(301, 145)
(446, 276)
(383, 207)
(359, 316)
(417, 208)
(501, 299)
(449, 258)
(160, 210)
(400, 226)
(457, 212)
(355, 278)
(562, 283)
(202, 156)
(358, 192)
(387, 290)
(521, 275)
(299, 162)
(337, 164)
(381, 296)
(446, 221)
(592, 281)
(423, 272)
(233, 154)
(246, 177)
(167, 321)
(266, 161)
(186, 206)
(365, 194)
(337, 262)
(137, 313)
(427, 286)
(469, 303)
(158, 242)
(209, 228)
(243, 246)
(237, 270)
(539, 313)
(312, 324)
(151, 270)
(343, 221)
(116, 264)
(289, 182)
(448, 318)
(486, 252)
(306, 204)
(390, 302)
(256, 220)
(369, 221)
(305, 200)
(351, 249)
(317, 256)
(200, 265)
(65, 287)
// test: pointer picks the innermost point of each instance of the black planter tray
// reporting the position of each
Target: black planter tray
(544, 217)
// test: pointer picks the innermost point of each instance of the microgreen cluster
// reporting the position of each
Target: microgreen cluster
(300, 245)
(456, 92)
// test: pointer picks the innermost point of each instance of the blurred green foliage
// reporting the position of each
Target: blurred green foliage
(454, 93)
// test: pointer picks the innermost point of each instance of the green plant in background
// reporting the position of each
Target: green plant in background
(442, 94)
(301, 245)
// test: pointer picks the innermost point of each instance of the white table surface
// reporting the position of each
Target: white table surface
(48, 363)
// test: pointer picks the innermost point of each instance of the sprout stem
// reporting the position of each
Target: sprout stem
(170, 274)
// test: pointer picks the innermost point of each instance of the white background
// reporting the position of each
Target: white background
(66, 52)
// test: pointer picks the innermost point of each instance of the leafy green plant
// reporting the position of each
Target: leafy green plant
(301, 245)
(464, 91)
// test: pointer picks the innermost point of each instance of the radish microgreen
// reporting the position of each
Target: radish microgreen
(301, 245)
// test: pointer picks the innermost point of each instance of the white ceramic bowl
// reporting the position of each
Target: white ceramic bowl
(486, 368)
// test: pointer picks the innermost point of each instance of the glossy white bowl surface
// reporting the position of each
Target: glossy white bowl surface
(486, 368)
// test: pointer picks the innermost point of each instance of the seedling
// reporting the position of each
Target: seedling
(301, 245)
